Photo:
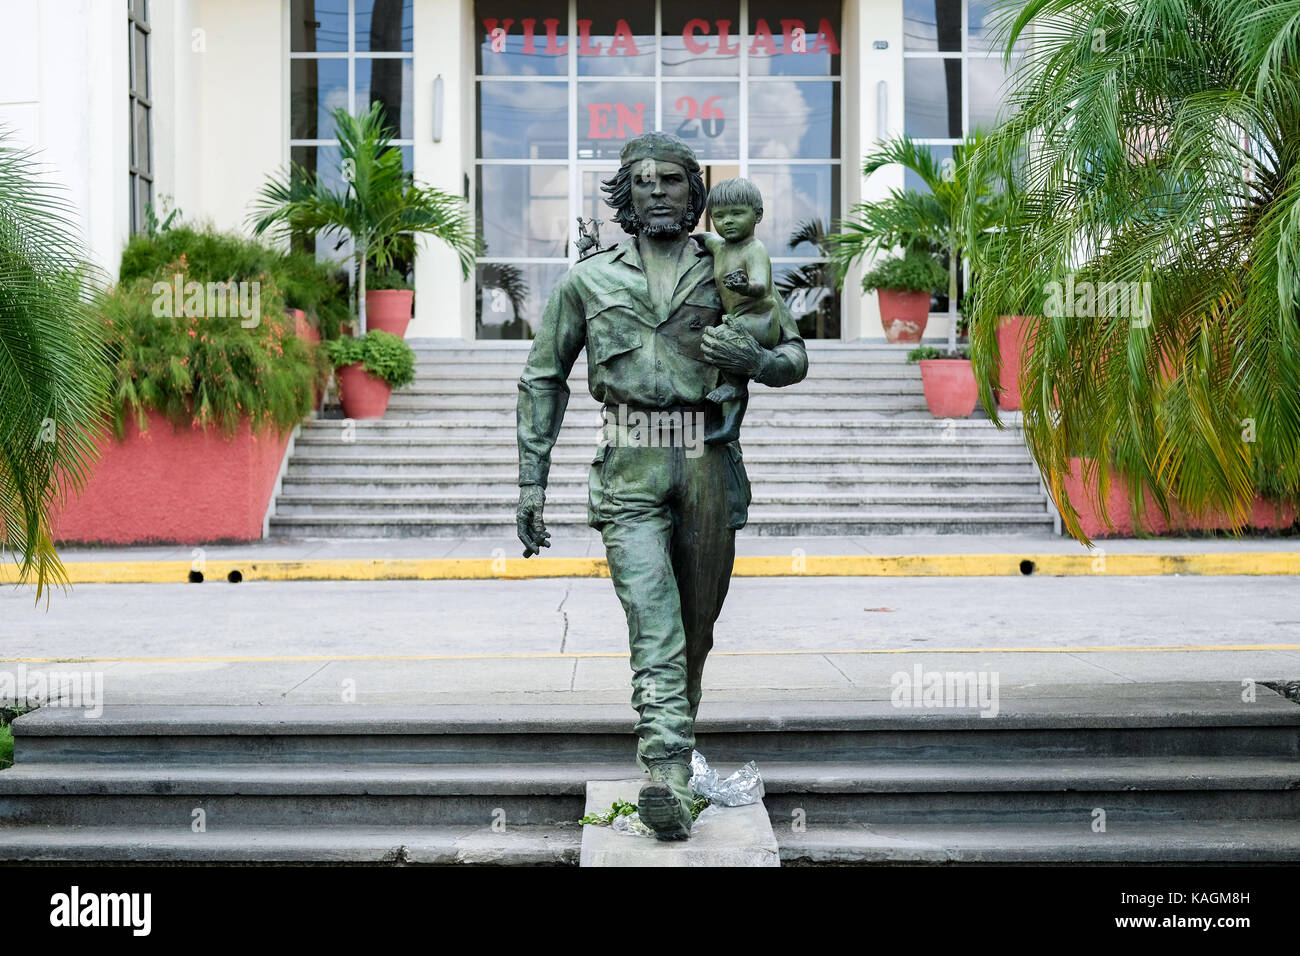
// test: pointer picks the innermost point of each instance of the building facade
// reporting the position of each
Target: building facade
(521, 106)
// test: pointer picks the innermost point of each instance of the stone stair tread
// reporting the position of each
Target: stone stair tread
(517, 845)
(881, 776)
(1256, 841)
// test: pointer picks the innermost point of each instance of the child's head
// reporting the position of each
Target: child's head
(739, 204)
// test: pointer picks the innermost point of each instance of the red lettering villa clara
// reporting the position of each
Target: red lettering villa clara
(696, 37)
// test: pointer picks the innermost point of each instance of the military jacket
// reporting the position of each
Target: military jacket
(636, 355)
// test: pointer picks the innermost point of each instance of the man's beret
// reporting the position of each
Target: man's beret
(663, 146)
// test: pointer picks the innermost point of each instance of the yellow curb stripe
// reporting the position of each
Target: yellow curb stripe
(617, 655)
(796, 565)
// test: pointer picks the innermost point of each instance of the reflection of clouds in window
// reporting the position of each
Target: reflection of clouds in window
(777, 109)
(523, 120)
(791, 196)
(988, 89)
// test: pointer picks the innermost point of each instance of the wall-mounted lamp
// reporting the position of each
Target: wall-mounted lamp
(882, 110)
(437, 108)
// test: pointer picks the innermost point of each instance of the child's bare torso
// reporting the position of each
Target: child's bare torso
(757, 313)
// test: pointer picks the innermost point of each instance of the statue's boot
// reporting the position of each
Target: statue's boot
(664, 803)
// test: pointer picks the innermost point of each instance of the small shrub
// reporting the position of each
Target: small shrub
(911, 272)
(382, 354)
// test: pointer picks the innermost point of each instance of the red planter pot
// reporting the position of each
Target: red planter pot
(389, 310)
(1264, 515)
(362, 394)
(303, 328)
(1014, 341)
(903, 314)
(949, 385)
(170, 485)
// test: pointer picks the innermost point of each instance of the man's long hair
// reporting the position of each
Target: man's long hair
(618, 196)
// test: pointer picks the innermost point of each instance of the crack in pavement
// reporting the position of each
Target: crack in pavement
(564, 616)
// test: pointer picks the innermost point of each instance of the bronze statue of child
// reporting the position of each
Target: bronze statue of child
(743, 273)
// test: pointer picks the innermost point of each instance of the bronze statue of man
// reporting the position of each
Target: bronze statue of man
(649, 314)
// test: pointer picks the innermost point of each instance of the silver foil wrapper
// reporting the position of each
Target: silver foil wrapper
(742, 788)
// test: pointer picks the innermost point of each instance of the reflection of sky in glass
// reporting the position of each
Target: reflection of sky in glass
(912, 181)
(715, 137)
(806, 15)
(791, 196)
(512, 60)
(610, 113)
(680, 61)
(397, 96)
(788, 119)
(927, 112)
(319, 26)
(638, 22)
(988, 88)
(316, 88)
(524, 209)
(526, 120)
(390, 12)
(921, 20)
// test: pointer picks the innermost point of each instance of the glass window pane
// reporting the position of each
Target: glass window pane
(510, 297)
(526, 120)
(390, 82)
(142, 155)
(932, 25)
(797, 201)
(988, 88)
(324, 161)
(524, 210)
(140, 63)
(693, 45)
(384, 26)
(810, 294)
(609, 114)
(318, 26)
(522, 38)
(932, 98)
(706, 116)
(594, 205)
(616, 46)
(912, 181)
(789, 119)
(806, 45)
(316, 87)
(984, 27)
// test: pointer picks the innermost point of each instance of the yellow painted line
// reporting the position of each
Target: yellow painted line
(617, 655)
(796, 565)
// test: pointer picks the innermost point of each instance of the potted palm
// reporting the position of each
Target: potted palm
(368, 369)
(389, 301)
(948, 380)
(903, 286)
(957, 208)
(380, 207)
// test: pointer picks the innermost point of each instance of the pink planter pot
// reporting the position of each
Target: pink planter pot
(1014, 341)
(903, 314)
(362, 394)
(1264, 515)
(302, 326)
(949, 385)
(170, 485)
(389, 310)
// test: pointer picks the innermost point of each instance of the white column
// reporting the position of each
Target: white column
(445, 36)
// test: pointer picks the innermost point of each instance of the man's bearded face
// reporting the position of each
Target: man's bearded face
(661, 198)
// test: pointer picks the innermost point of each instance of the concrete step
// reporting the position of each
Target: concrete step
(499, 502)
(588, 427)
(775, 523)
(812, 445)
(1150, 842)
(477, 375)
(323, 843)
(575, 465)
(574, 481)
(478, 409)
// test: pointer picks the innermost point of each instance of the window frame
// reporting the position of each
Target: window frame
(139, 174)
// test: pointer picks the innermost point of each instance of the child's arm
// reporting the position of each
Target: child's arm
(759, 267)
(712, 241)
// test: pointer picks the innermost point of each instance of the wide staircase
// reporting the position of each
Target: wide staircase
(1159, 773)
(850, 450)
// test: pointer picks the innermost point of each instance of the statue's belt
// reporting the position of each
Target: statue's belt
(663, 415)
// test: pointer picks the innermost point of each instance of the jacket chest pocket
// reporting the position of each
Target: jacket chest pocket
(702, 309)
(611, 331)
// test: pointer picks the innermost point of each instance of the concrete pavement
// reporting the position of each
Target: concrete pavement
(564, 640)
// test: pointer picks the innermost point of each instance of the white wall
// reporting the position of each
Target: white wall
(63, 90)
(444, 45)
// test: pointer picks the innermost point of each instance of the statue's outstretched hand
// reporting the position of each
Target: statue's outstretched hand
(732, 349)
(528, 520)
